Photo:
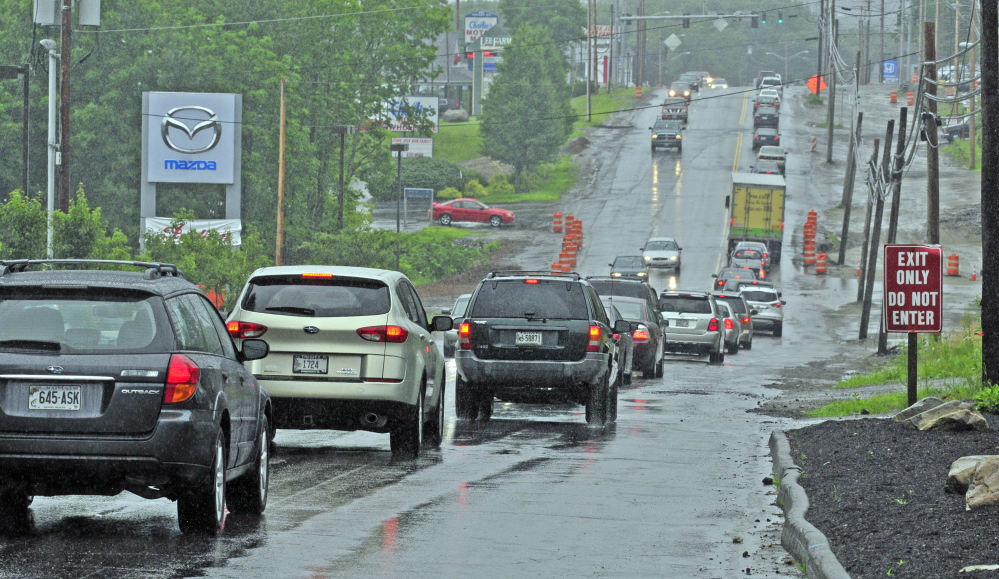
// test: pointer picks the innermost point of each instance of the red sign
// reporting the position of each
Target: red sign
(913, 289)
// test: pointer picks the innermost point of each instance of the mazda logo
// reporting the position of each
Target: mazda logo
(54, 369)
(177, 120)
(311, 330)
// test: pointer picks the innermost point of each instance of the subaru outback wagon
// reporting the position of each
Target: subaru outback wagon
(117, 381)
(351, 349)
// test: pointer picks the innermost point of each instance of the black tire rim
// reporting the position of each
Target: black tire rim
(445, 219)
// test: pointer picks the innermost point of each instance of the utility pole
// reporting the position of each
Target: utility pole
(279, 237)
(822, 32)
(640, 73)
(864, 253)
(872, 254)
(611, 69)
(971, 107)
(589, 57)
(990, 181)
(831, 112)
(930, 127)
(896, 175)
(65, 184)
(881, 72)
(848, 183)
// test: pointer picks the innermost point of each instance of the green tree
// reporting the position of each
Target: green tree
(527, 115)
(83, 234)
(565, 20)
(23, 228)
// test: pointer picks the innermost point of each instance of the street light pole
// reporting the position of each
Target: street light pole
(398, 149)
(50, 45)
(343, 131)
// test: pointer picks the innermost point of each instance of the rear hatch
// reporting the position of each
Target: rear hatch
(687, 314)
(311, 324)
(82, 361)
(529, 319)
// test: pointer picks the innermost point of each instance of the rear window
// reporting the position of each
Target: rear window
(517, 299)
(459, 307)
(612, 288)
(317, 297)
(82, 321)
(685, 305)
(629, 311)
(748, 254)
(759, 296)
(737, 305)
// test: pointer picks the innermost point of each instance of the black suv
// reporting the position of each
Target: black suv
(766, 116)
(614, 286)
(666, 134)
(537, 336)
(117, 381)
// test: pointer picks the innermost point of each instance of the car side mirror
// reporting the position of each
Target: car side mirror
(610, 265)
(441, 324)
(726, 201)
(254, 349)
(714, 275)
(445, 311)
(783, 303)
(754, 312)
(622, 326)
(665, 323)
(650, 128)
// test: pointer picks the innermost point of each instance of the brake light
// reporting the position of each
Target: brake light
(390, 334)
(182, 379)
(465, 336)
(641, 335)
(594, 344)
(728, 324)
(775, 304)
(317, 275)
(746, 320)
(713, 325)
(245, 329)
(757, 137)
(532, 280)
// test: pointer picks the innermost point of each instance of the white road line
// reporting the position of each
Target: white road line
(322, 484)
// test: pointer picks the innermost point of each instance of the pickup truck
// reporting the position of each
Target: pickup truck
(764, 74)
(956, 131)
(674, 109)
(775, 154)
(666, 134)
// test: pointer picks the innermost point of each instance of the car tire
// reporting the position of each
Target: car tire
(464, 400)
(406, 437)
(15, 518)
(679, 149)
(596, 404)
(626, 379)
(448, 351)
(485, 404)
(612, 400)
(733, 349)
(659, 368)
(445, 219)
(714, 358)
(433, 433)
(650, 372)
(495, 221)
(653, 149)
(677, 270)
(778, 330)
(201, 510)
(748, 345)
(248, 493)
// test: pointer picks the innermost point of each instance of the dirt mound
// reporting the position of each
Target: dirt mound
(576, 146)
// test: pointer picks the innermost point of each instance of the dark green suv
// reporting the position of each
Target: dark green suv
(538, 337)
(666, 134)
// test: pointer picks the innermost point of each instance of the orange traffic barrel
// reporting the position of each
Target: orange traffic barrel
(910, 98)
(566, 268)
(557, 222)
(953, 264)
(813, 216)
(557, 267)
(820, 264)
(638, 92)
(569, 220)
(810, 256)
(894, 97)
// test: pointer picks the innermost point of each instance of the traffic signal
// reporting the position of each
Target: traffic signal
(686, 21)
(755, 23)
(763, 17)
(780, 17)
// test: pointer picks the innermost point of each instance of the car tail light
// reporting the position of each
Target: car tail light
(776, 304)
(641, 335)
(532, 280)
(245, 329)
(757, 137)
(182, 379)
(713, 325)
(746, 320)
(728, 324)
(465, 336)
(391, 334)
(594, 344)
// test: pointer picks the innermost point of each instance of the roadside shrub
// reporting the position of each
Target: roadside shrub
(475, 190)
(987, 399)
(447, 194)
(431, 173)
(499, 185)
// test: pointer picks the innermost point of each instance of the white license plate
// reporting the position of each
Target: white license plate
(51, 397)
(310, 364)
(683, 323)
(528, 338)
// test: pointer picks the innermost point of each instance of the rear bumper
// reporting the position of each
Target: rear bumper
(527, 374)
(338, 414)
(706, 342)
(293, 387)
(177, 454)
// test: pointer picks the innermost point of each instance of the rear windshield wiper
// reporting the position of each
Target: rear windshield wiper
(293, 310)
(31, 345)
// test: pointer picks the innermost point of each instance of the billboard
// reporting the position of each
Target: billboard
(395, 116)
(890, 70)
(190, 137)
(477, 23)
(418, 147)
(913, 288)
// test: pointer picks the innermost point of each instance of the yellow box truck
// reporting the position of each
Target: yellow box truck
(756, 211)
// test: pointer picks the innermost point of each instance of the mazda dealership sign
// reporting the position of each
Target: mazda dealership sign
(190, 137)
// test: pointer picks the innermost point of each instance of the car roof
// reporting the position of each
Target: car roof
(771, 149)
(728, 295)
(626, 299)
(766, 130)
(661, 239)
(152, 283)
(385, 275)
(684, 294)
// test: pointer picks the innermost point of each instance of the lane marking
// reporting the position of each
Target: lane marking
(316, 486)
(738, 150)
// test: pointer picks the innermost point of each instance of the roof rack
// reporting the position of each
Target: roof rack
(538, 273)
(154, 270)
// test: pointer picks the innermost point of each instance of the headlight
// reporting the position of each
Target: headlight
(641, 273)
(615, 274)
(646, 258)
(655, 136)
(679, 137)
(673, 258)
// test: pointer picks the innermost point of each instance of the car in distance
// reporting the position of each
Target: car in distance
(629, 267)
(765, 168)
(667, 135)
(769, 306)
(680, 89)
(457, 312)
(745, 314)
(766, 101)
(766, 116)
(758, 246)
(748, 259)
(470, 210)
(732, 327)
(694, 324)
(765, 74)
(534, 335)
(693, 79)
(625, 344)
(351, 349)
(765, 136)
(662, 252)
(674, 109)
(728, 277)
(775, 154)
(615, 286)
(646, 335)
(769, 93)
(126, 381)
(773, 82)
(718, 83)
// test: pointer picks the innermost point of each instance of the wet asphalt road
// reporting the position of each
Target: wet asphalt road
(534, 492)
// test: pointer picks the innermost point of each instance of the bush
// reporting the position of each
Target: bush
(987, 399)
(499, 185)
(475, 190)
(430, 173)
(23, 226)
(447, 193)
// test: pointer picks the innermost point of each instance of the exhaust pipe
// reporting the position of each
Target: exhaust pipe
(372, 419)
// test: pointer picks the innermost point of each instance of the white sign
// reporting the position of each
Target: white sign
(418, 147)
(227, 227)
(477, 23)
(673, 42)
(396, 117)
(190, 137)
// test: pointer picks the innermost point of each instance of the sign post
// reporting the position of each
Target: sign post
(913, 297)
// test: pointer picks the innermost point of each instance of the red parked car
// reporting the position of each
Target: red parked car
(466, 209)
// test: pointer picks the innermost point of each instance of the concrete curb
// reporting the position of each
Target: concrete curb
(804, 542)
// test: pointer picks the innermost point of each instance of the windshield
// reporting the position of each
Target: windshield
(630, 262)
(516, 299)
(672, 126)
(620, 288)
(82, 321)
(319, 297)
(660, 246)
(759, 296)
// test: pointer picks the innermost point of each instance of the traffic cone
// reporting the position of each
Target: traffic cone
(974, 273)
(858, 268)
